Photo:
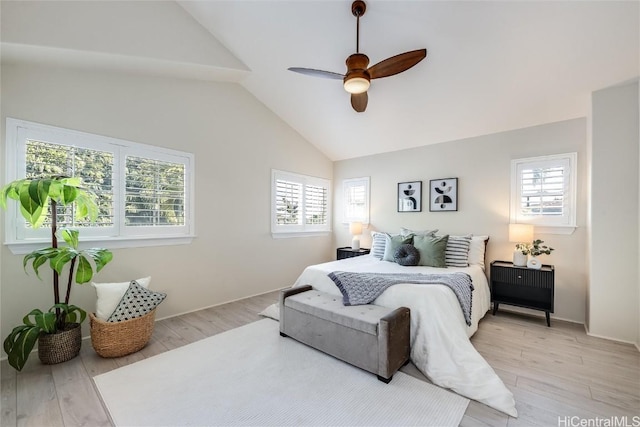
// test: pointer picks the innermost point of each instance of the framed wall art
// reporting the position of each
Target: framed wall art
(410, 196)
(443, 195)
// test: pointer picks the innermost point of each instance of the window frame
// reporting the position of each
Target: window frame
(348, 184)
(561, 224)
(299, 230)
(20, 240)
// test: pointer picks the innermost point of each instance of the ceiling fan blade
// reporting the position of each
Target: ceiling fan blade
(359, 101)
(397, 64)
(317, 73)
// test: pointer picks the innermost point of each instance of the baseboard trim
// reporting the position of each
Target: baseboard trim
(221, 303)
(635, 344)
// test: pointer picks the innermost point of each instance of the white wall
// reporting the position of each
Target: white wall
(482, 166)
(236, 142)
(615, 281)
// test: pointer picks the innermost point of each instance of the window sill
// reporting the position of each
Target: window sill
(300, 234)
(21, 248)
(550, 229)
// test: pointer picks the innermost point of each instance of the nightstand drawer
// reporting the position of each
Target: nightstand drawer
(522, 277)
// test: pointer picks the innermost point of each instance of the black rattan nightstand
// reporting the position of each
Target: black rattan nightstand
(347, 252)
(522, 286)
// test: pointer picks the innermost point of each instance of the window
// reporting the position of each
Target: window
(144, 192)
(543, 192)
(300, 205)
(356, 200)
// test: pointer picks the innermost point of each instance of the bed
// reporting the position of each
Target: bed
(440, 346)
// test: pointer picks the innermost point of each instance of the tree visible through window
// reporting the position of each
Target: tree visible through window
(94, 167)
(300, 204)
(143, 191)
(154, 192)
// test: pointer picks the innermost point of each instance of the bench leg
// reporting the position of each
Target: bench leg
(282, 334)
(385, 380)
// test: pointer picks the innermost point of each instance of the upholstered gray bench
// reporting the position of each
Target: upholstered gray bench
(370, 337)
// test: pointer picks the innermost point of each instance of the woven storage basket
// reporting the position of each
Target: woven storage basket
(117, 339)
(61, 346)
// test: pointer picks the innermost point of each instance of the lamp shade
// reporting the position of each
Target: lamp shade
(355, 228)
(520, 233)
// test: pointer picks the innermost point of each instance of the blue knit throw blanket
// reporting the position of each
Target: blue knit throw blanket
(363, 288)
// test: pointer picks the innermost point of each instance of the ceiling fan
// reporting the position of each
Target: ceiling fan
(358, 77)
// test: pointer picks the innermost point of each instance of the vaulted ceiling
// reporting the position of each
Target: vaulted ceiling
(491, 66)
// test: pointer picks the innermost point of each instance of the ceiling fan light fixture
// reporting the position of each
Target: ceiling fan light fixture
(356, 85)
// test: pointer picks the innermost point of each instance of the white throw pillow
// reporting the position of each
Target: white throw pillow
(110, 294)
(405, 232)
(476, 250)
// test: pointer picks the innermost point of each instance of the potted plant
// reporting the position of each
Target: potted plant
(536, 248)
(58, 329)
(520, 255)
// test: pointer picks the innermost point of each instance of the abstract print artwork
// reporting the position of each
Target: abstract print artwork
(443, 195)
(410, 196)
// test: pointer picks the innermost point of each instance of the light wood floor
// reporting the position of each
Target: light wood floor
(553, 372)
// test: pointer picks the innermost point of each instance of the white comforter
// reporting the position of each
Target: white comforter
(440, 345)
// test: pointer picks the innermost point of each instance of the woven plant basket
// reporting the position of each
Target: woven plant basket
(61, 346)
(117, 339)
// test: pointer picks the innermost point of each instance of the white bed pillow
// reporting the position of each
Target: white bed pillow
(406, 232)
(476, 250)
(110, 294)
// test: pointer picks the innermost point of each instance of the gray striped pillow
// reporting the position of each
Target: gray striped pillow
(378, 244)
(457, 252)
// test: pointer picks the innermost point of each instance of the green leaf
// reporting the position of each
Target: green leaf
(8, 342)
(34, 312)
(46, 322)
(30, 208)
(19, 343)
(84, 272)
(72, 309)
(55, 189)
(73, 181)
(62, 258)
(86, 206)
(100, 256)
(69, 311)
(71, 237)
(39, 257)
(34, 192)
(69, 194)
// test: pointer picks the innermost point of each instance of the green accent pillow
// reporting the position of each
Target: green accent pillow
(393, 243)
(432, 250)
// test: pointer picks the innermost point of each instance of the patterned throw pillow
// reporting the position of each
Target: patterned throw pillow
(457, 252)
(378, 243)
(136, 302)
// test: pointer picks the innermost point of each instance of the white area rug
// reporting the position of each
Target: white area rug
(252, 376)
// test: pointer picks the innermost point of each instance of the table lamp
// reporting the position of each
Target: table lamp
(520, 233)
(355, 228)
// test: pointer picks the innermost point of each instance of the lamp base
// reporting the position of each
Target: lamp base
(355, 244)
